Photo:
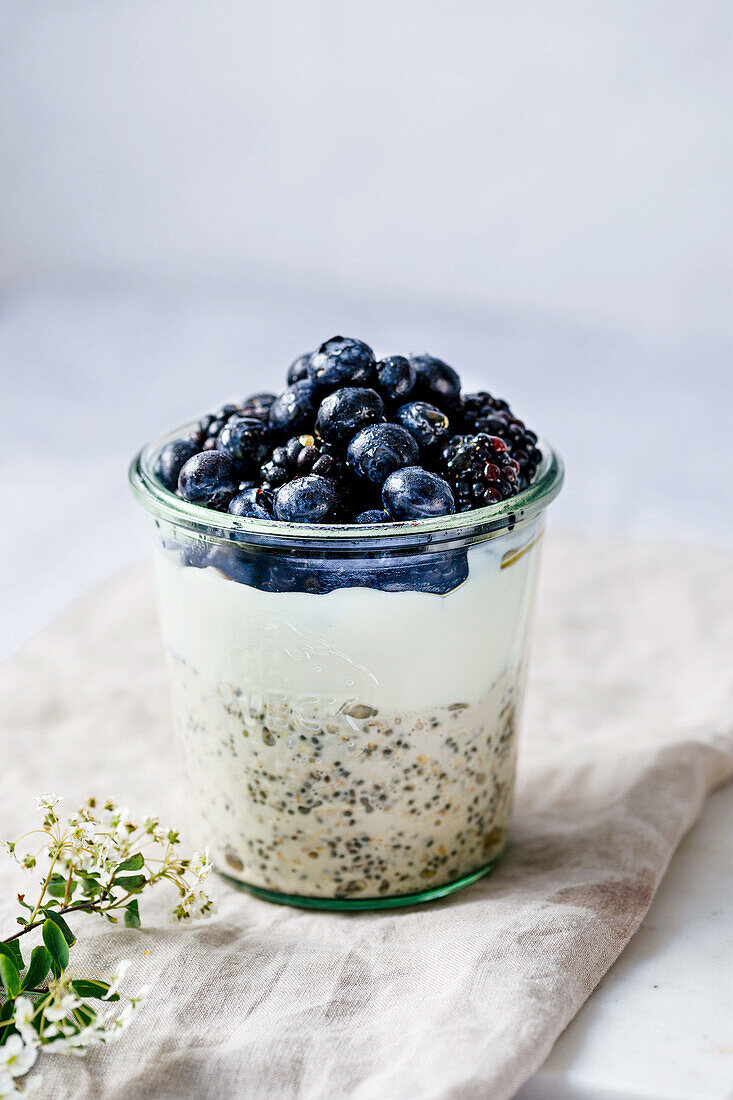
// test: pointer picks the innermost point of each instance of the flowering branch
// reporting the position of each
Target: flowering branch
(98, 862)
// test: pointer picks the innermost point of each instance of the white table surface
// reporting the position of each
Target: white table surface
(88, 375)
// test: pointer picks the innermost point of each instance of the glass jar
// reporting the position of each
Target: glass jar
(347, 697)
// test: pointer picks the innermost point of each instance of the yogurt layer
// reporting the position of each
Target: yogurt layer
(396, 651)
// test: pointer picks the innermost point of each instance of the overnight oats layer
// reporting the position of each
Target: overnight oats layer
(346, 572)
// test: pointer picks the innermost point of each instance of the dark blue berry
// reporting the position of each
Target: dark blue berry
(436, 381)
(294, 410)
(342, 362)
(396, 376)
(372, 515)
(311, 499)
(170, 460)
(415, 493)
(298, 369)
(272, 475)
(377, 450)
(427, 425)
(209, 478)
(345, 411)
(245, 439)
(257, 405)
(255, 503)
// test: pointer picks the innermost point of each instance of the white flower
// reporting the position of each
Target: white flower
(22, 1017)
(7, 1085)
(32, 1085)
(122, 968)
(47, 801)
(16, 1058)
(200, 865)
(62, 1006)
(63, 1046)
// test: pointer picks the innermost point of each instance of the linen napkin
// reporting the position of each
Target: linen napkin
(627, 728)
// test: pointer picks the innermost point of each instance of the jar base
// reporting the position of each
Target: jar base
(345, 904)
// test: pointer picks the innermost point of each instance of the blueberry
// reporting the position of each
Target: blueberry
(294, 410)
(378, 449)
(427, 425)
(255, 503)
(345, 411)
(372, 515)
(171, 458)
(397, 377)
(436, 381)
(311, 499)
(342, 362)
(245, 440)
(415, 493)
(209, 478)
(298, 369)
(258, 404)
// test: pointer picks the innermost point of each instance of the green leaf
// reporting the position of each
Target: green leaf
(11, 948)
(134, 863)
(86, 1015)
(7, 1008)
(91, 987)
(55, 941)
(9, 976)
(131, 882)
(132, 914)
(59, 920)
(38, 967)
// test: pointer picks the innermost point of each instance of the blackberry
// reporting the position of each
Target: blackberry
(484, 413)
(208, 428)
(301, 455)
(480, 470)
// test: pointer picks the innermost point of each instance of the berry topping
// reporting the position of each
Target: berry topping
(436, 381)
(415, 493)
(372, 515)
(170, 460)
(245, 440)
(428, 426)
(311, 499)
(258, 405)
(396, 378)
(294, 410)
(298, 369)
(342, 362)
(208, 478)
(255, 503)
(377, 450)
(349, 434)
(345, 411)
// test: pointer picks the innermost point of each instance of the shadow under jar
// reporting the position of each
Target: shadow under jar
(347, 697)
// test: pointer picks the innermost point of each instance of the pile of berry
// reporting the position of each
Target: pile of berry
(354, 440)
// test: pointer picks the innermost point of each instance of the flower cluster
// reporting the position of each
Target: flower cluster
(95, 861)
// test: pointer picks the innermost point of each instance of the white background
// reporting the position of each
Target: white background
(539, 192)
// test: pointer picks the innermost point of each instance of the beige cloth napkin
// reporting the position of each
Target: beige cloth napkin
(627, 729)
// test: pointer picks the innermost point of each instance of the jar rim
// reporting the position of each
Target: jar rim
(485, 522)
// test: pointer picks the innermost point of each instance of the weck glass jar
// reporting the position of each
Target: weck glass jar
(347, 697)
